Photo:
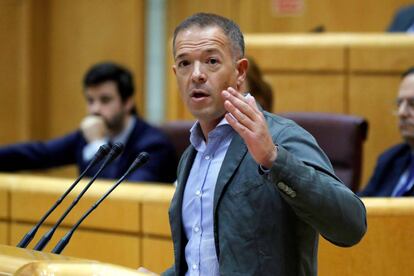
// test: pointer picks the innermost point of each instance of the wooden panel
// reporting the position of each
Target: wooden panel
(301, 92)
(31, 202)
(4, 202)
(373, 97)
(4, 234)
(157, 254)
(10, 32)
(383, 54)
(296, 52)
(104, 30)
(260, 16)
(106, 247)
(155, 218)
(386, 248)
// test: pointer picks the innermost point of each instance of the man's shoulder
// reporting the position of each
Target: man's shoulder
(394, 152)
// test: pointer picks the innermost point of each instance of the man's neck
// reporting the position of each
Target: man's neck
(207, 126)
(116, 132)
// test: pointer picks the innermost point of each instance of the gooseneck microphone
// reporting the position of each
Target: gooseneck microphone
(115, 151)
(141, 159)
(99, 155)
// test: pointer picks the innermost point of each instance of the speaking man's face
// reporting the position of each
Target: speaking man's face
(204, 66)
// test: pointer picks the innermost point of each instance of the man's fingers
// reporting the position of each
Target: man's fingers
(239, 102)
(238, 115)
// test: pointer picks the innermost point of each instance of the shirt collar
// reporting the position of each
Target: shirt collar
(196, 134)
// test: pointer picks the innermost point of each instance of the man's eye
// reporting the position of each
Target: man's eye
(183, 63)
(105, 100)
(213, 61)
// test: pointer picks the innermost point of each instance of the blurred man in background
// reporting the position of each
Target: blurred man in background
(108, 90)
(394, 172)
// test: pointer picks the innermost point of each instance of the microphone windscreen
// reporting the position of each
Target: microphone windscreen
(102, 151)
(116, 150)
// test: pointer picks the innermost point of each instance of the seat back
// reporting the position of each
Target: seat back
(341, 137)
(179, 134)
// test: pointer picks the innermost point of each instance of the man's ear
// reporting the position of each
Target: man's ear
(241, 66)
(174, 69)
(129, 104)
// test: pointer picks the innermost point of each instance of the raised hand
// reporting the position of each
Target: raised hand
(250, 124)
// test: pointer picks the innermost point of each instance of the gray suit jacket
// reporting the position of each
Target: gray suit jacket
(268, 224)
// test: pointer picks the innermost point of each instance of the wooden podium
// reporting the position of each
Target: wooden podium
(22, 262)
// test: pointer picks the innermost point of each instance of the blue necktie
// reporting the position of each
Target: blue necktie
(408, 184)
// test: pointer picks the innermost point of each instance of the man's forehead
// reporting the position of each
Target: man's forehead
(407, 86)
(208, 38)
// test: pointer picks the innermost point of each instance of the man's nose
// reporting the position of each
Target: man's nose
(95, 108)
(403, 109)
(198, 75)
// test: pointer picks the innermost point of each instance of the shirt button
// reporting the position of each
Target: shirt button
(196, 229)
(194, 266)
(207, 157)
(198, 193)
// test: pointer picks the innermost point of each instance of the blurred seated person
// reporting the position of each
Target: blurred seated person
(257, 86)
(394, 172)
(403, 20)
(108, 89)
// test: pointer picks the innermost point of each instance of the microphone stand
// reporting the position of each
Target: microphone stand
(102, 152)
(138, 162)
(115, 151)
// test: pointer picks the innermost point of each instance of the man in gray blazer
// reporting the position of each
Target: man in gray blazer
(254, 190)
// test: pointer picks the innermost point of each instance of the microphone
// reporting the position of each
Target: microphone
(141, 159)
(99, 155)
(115, 151)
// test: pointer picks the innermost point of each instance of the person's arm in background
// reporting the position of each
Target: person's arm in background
(40, 155)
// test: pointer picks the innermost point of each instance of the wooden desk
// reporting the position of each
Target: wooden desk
(131, 228)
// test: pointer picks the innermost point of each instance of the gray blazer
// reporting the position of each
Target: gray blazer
(268, 224)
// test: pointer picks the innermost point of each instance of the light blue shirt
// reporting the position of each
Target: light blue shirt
(402, 181)
(410, 30)
(90, 149)
(197, 211)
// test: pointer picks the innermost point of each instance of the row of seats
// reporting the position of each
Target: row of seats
(340, 136)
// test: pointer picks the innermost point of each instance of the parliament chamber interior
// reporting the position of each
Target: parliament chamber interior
(333, 67)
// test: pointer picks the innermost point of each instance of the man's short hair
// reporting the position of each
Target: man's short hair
(229, 27)
(407, 72)
(109, 71)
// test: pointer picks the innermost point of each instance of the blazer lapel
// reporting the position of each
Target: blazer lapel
(176, 207)
(235, 153)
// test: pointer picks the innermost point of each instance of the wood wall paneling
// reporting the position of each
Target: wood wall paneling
(259, 16)
(120, 215)
(160, 226)
(4, 203)
(308, 93)
(157, 254)
(11, 13)
(384, 55)
(89, 244)
(384, 232)
(82, 33)
(4, 233)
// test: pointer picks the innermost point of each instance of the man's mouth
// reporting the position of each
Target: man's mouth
(197, 94)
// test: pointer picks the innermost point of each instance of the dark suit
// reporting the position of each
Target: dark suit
(268, 224)
(390, 166)
(68, 149)
(402, 20)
